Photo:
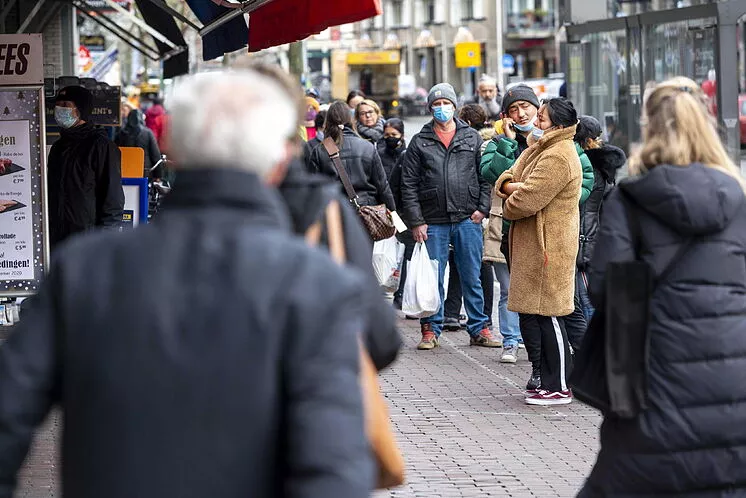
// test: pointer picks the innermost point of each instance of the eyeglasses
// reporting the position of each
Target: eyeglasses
(367, 114)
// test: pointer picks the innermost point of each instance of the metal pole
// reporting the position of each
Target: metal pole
(245, 8)
(51, 12)
(6, 10)
(31, 16)
(727, 87)
(154, 33)
(99, 19)
(499, 47)
(175, 13)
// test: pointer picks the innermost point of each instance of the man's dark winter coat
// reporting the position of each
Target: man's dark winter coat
(84, 182)
(307, 197)
(442, 185)
(691, 440)
(606, 161)
(136, 134)
(308, 148)
(222, 364)
(363, 166)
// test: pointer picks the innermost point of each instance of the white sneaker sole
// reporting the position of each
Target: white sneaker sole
(548, 402)
(508, 359)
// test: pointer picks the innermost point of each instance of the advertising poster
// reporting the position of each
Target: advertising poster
(16, 226)
(24, 248)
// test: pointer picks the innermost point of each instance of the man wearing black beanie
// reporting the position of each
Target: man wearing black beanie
(84, 171)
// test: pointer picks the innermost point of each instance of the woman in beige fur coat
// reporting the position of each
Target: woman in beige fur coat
(542, 193)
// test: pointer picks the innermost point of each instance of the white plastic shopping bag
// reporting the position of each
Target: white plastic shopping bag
(421, 297)
(388, 255)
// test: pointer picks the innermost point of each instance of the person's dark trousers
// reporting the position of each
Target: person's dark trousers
(546, 343)
(409, 243)
(575, 322)
(488, 289)
(505, 249)
(453, 301)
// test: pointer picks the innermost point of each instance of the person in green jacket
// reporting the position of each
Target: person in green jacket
(520, 109)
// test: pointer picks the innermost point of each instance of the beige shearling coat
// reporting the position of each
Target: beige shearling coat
(546, 223)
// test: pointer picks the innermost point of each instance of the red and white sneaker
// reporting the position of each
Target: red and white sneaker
(547, 398)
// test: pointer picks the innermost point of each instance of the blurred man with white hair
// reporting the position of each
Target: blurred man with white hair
(488, 96)
(209, 354)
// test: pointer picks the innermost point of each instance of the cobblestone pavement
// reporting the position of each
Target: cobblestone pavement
(465, 430)
(461, 423)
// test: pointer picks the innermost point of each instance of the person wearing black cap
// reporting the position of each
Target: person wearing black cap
(445, 200)
(520, 110)
(84, 171)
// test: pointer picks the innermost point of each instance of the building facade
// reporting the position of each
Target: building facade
(426, 34)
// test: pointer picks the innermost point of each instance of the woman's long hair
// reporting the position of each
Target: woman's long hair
(337, 117)
(678, 130)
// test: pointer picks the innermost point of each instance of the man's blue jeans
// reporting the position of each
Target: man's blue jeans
(466, 238)
(581, 283)
(510, 327)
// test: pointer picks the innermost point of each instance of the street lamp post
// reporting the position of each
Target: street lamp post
(499, 46)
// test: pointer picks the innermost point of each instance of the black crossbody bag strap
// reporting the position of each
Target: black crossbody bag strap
(333, 151)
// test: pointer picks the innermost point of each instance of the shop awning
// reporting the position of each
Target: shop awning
(286, 21)
(224, 28)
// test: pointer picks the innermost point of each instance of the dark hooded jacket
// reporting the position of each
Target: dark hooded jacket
(691, 440)
(363, 166)
(606, 161)
(307, 196)
(390, 158)
(84, 182)
(443, 185)
(237, 375)
(136, 134)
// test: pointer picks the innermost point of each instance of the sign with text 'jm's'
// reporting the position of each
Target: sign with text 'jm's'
(21, 60)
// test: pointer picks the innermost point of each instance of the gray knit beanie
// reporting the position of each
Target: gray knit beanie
(520, 92)
(442, 91)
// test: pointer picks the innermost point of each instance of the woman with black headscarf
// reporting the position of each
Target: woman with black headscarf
(134, 133)
(392, 146)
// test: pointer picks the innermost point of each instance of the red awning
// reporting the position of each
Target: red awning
(286, 21)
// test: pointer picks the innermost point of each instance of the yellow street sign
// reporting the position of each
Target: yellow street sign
(468, 54)
(364, 58)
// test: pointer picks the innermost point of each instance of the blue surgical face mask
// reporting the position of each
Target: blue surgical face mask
(320, 135)
(524, 128)
(443, 113)
(537, 133)
(64, 116)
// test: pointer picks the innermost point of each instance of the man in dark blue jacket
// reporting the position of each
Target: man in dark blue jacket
(225, 362)
(445, 200)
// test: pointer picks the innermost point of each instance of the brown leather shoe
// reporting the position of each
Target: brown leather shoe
(486, 340)
(429, 340)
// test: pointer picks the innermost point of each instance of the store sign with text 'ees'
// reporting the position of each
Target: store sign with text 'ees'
(21, 60)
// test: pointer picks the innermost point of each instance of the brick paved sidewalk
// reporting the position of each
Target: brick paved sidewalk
(461, 423)
(465, 430)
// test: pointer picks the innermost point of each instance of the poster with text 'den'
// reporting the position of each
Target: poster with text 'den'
(16, 226)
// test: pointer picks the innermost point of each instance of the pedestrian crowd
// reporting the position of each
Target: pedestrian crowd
(255, 325)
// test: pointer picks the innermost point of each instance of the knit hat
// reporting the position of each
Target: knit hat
(442, 91)
(81, 97)
(520, 92)
(589, 126)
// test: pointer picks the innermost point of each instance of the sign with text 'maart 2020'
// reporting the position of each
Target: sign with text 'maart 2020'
(21, 59)
(23, 240)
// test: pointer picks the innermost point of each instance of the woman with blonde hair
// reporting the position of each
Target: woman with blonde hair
(683, 213)
(369, 122)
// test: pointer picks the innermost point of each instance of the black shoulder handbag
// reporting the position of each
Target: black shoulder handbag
(610, 372)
